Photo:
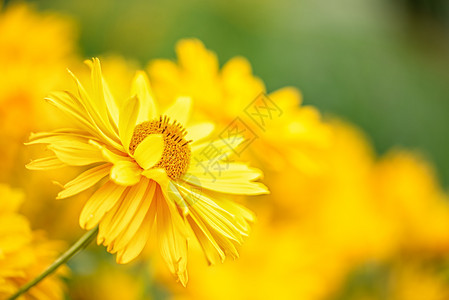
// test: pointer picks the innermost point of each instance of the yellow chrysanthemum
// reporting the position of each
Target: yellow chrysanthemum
(34, 49)
(407, 192)
(24, 253)
(284, 132)
(159, 173)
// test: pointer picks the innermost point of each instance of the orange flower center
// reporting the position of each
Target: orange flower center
(176, 155)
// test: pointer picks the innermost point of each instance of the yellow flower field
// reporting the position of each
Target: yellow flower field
(182, 140)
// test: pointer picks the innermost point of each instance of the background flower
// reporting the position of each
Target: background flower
(352, 215)
(24, 253)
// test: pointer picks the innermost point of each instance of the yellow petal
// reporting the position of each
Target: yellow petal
(76, 153)
(159, 175)
(207, 242)
(149, 151)
(107, 154)
(135, 222)
(99, 102)
(111, 103)
(100, 203)
(172, 238)
(180, 110)
(69, 104)
(102, 89)
(95, 107)
(196, 59)
(220, 148)
(199, 131)
(232, 186)
(226, 171)
(84, 181)
(128, 117)
(125, 173)
(46, 163)
(138, 242)
(141, 88)
(73, 106)
(116, 223)
(288, 98)
(174, 195)
(214, 216)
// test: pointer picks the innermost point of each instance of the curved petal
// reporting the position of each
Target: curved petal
(95, 106)
(127, 121)
(125, 173)
(159, 175)
(123, 222)
(141, 88)
(237, 187)
(174, 195)
(102, 98)
(84, 181)
(199, 131)
(76, 152)
(138, 242)
(100, 203)
(172, 237)
(228, 171)
(46, 163)
(149, 151)
(180, 110)
(146, 210)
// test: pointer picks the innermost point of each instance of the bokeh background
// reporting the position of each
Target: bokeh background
(381, 65)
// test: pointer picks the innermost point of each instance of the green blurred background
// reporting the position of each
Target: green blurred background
(381, 64)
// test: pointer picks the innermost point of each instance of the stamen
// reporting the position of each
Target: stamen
(176, 155)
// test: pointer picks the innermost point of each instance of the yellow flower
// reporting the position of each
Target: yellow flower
(331, 202)
(284, 133)
(34, 49)
(277, 262)
(407, 193)
(416, 281)
(61, 216)
(155, 164)
(24, 253)
(106, 282)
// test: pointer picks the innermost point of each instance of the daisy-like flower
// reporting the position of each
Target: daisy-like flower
(289, 134)
(24, 252)
(154, 165)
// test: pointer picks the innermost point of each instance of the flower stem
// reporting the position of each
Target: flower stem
(82, 243)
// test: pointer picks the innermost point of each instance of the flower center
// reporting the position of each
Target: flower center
(176, 155)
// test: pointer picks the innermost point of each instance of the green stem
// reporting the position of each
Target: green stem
(82, 243)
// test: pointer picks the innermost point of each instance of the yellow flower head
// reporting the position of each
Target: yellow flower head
(24, 253)
(286, 133)
(406, 190)
(34, 48)
(158, 174)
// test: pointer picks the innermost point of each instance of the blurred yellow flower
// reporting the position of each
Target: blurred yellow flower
(276, 263)
(34, 49)
(284, 133)
(24, 253)
(109, 283)
(414, 281)
(358, 211)
(407, 192)
(155, 164)
(337, 204)
(61, 216)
